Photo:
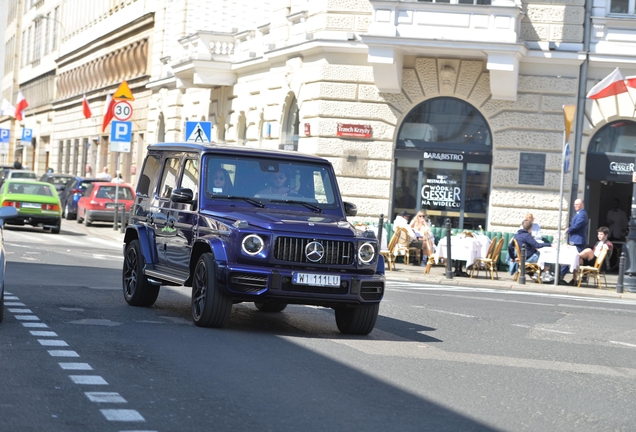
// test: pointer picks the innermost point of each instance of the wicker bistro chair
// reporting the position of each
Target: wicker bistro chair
(596, 270)
(530, 267)
(489, 262)
(396, 247)
(404, 247)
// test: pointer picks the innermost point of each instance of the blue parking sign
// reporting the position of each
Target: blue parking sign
(27, 134)
(120, 136)
(4, 135)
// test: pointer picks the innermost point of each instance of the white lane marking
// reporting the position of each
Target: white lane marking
(68, 240)
(105, 397)
(75, 366)
(112, 244)
(108, 257)
(19, 311)
(552, 331)
(623, 343)
(63, 353)
(52, 343)
(88, 379)
(34, 325)
(122, 415)
(14, 304)
(445, 312)
(521, 325)
(43, 333)
(10, 297)
(27, 318)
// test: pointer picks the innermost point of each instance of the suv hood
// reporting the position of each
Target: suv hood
(288, 221)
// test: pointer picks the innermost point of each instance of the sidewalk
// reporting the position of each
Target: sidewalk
(437, 275)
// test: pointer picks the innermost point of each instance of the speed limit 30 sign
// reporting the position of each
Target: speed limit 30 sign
(122, 110)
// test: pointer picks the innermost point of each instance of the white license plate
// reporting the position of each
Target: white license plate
(110, 205)
(31, 205)
(316, 279)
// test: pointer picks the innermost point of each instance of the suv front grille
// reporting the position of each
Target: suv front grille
(371, 290)
(293, 249)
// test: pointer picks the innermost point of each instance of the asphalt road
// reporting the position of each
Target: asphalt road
(441, 358)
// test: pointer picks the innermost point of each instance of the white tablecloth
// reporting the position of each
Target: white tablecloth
(463, 249)
(568, 255)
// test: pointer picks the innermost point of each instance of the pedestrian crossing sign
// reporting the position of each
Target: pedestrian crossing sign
(198, 131)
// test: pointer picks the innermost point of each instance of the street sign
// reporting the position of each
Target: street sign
(4, 135)
(123, 92)
(27, 134)
(120, 136)
(122, 110)
(566, 158)
(198, 131)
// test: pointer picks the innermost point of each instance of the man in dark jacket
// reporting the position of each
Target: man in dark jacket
(524, 237)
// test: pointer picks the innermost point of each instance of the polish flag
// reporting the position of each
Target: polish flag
(612, 85)
(108, 114)
(86, 108)
(630, 81)
(20, 106)
(6, 108)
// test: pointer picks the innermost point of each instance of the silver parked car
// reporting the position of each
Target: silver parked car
(5, 213)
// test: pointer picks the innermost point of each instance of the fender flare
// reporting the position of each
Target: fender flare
(146, 239)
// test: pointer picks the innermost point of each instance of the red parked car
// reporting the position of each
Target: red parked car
(98, 202)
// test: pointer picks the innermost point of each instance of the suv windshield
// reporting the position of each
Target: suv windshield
(268, 180)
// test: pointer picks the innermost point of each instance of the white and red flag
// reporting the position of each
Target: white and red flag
(109, 113)
(86, 108)
(6, 108)
(630, 81)
(20, 106)
(611, 85)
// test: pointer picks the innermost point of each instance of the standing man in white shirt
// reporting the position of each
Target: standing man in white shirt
(104, 175)
(617, 222)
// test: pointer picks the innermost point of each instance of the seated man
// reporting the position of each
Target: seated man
(524, 237)
(588, 256)
(278, 186)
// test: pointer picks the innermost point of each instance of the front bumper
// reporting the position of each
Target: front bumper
(259, 284)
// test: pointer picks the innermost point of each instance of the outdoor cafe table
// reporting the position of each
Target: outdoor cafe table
(463, 248)
(568, 255)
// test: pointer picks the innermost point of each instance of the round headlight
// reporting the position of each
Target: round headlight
(366, 253)
(252, 244)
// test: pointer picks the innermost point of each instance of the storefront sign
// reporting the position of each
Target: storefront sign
(532, 169)
(354, 130)
(441, 192)
(609, 167)
(455, 157)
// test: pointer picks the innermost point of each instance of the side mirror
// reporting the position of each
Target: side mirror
(182, 195)
(350, 209)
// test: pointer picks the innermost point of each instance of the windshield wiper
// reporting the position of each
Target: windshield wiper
(252, 201)
(310, 206)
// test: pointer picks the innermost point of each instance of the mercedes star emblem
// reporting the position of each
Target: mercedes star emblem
(314, 251)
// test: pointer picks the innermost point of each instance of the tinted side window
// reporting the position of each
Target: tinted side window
(169, 177)
(149, 172)
(190, 177)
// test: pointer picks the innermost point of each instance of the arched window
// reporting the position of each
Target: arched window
(291, 124)
(616, 137)
(445, 123)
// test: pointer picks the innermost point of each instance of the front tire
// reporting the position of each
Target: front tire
(270, 306)
(210, 307)
(138, 291)
(358, 320)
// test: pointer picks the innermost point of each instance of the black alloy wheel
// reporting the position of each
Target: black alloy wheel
(138, 291)
(210, 307)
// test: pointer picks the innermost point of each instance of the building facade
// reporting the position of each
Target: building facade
(455, 107)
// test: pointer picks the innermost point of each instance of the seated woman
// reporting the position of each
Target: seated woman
(220, 182)
(423, 234)
(588, 256)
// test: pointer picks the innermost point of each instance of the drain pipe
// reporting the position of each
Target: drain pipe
(580, 107)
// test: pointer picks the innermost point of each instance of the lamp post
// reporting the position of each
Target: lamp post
(629, 280)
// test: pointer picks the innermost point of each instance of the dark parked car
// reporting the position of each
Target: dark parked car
(57, 180)
(246, 225)
(70, 196)
(5, 213)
